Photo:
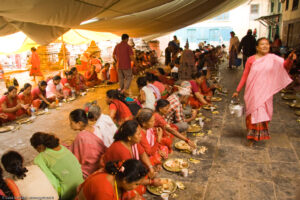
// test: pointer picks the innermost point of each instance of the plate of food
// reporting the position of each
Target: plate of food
(168, 186)
(208, 107)
(40, 112)
(6, 128)
(194, 128)
(182, 145)
(289, 97)
(175, 164)
(294, 105)
(297, 112)
(71, 99)
(24, 121)
(216, 99)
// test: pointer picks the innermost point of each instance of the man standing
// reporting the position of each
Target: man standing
(248, 44)
(123, 55)
(233, 48)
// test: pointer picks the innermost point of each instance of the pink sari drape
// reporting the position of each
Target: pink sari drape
(266, 77)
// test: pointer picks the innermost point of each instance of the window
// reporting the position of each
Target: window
(279, 7)
(295, 4)
(287, 2)
(272, 6)
(254, 9)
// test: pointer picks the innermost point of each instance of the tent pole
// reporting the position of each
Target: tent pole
(64, 52)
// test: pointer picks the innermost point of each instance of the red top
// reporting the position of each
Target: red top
(26, 99)
(195, 87)
(204, 88)
(36, 92)
(91, 77)
(145, 144)
(117, 151)
(159, 121)
(287, 64)
(97, 187)
(123, 112)
(123, 52)
(160, 86)
(8, 104)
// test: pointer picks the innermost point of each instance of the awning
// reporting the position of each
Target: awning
(46, 20)
(270, 20)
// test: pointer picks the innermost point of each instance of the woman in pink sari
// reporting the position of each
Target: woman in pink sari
(264, 75)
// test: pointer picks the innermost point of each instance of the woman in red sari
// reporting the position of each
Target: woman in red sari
(169, 130)
(265, 74)
(11, 105)
(151, 138)
(68, 84)
(126, 146)
(26, 97)
(92, 77)
(119, 177)
(79, 80)
(35, 64)
(113, 74)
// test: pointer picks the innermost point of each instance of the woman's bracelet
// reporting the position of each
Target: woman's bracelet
(187, 140)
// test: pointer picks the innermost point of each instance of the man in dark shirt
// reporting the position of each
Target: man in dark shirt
(248, 45)
(123, 55)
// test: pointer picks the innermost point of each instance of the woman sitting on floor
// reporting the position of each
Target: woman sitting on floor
(87, 146)
(201, 92)
(151, 138)
(54, 89)
(119, 177)
(26, 98)
(113, 74)
(39, 95)
(68, 84)
(28, 179)
(58, 163)
(119, 111)
(79, 80)
(92, 77)
(126, 146)
(170, 130)
(11, 105)
(152, 79)
(146, 96)
(105, 127)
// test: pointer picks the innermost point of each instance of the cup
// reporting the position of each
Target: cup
(282, 94)
(185, 172)
(46, 110)
(194, 152)
(202, 124)
(294, 101)
(164, 196)
(212, 109)
(59, 104)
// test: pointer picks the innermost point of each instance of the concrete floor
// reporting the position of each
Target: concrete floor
(229, 170)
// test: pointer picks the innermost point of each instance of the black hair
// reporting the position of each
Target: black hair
(48, 140)
(68, 73)
(26, 85)
(106, 64)
(12, 162)
(260, 39)
(10, 89)
(177, 61)
(33, 49)
(4, 187)
(56, 78)
(131, 170)
(126, 130)
(43, 83)
(151, 77)
(199, 74)
(79, 115)
(161, 104)
(161, 71)
(116, 94)
(125, 36)
(144, 115)
(73, 69)
(141, 81)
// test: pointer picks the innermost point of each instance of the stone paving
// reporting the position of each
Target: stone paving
(228, 170)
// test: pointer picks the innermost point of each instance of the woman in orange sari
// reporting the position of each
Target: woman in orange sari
(126, 146)
(35, 64)
(119, 177)
(92, 77)
(113, 74)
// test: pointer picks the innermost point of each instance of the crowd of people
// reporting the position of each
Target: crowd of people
(115, 156)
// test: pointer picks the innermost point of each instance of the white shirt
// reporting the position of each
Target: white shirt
(36, 184)
(150, 98)
(51, 89)
(105, 129)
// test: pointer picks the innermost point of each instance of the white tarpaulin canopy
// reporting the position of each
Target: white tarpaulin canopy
(45, 20)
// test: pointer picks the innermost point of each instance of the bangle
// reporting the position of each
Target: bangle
(187, 140)
(151, 166)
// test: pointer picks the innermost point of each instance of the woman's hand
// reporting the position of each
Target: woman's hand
(151, 173)
(163, 154)
(157, 182)
(194, 114)
(3, 116)
(292, 56)
(192, 144)
(235, 95)
(159, 134)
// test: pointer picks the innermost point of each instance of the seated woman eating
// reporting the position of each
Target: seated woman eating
(54, 89)
(92, 77)
(28, 179)
(152, 79)
(68, 84)
(151, 139)
(87, 146)
(58, 163)
(11, 105)
(79, 80)
(26, 98)
(39, 95)
(127, 146)
(201, 92)
(119, 111)
(105, 127)
(170, 130)
(147, 95)
(119, 177)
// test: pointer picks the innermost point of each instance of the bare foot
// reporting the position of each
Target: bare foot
(250, 143)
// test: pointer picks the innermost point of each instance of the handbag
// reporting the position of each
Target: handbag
(237, 62)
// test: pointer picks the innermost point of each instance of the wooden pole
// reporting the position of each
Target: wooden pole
(64, 53)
